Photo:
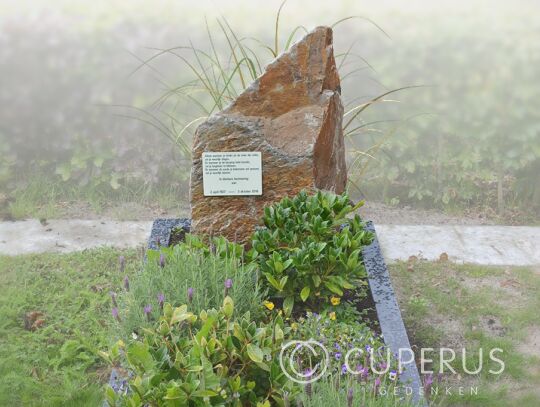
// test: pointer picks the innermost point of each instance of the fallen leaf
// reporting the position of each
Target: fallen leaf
(30, 319)
(509, 283)
(37, 324)
(97, 288)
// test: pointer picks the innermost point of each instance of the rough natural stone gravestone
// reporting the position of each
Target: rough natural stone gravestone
(293, 115)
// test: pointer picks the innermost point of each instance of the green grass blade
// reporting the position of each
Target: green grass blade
(361, 18)
(360, 108)
(276, 31)
(292, 34)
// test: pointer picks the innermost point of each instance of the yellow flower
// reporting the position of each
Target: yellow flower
(332, 316)
(294, 326)
(268, 304)
(335, 300)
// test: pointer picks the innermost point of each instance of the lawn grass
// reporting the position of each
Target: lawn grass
(57, 364)
(443, 305)
(455, 306)
(43, 197)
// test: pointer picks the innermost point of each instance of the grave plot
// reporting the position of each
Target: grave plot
(275, 288)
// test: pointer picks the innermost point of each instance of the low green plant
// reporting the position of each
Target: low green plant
(309, 250)
(346, 392)
(350, 344)
(213, 358)
(193, 272)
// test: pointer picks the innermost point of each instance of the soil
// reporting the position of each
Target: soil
(177, 236)
(124, 211)
(383, 214)
(377, 212)
(531, 345)
(366, 306)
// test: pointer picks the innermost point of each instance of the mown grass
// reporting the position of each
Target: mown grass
(443, 305)
(57, 364)
(46, 197)
(476, 307)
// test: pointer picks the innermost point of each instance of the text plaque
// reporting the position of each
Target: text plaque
(232, 173)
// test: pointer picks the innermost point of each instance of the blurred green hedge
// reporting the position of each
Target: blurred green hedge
(469, 138)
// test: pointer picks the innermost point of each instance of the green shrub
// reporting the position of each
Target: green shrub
(309, 250)
(171, 271)
(210, 359)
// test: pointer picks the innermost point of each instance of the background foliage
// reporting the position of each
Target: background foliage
(479, 141)
(468, 138)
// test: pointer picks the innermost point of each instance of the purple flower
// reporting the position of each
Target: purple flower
(126, 283)
(122, 263)
(161, 299)
(337, 355)
(190, 294)
(147, 311)
(393, 375)
(349, 397)
(428, 381)
(161, 260)
(114, 313)
(359, 372)
(228, 285)
(376, 384)
(113, 298)
(365, 373)
(308, 388)
(343, 368)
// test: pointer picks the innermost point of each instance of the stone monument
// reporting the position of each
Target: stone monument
(283, 134)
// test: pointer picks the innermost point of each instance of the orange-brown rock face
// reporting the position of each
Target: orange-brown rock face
(293, 115)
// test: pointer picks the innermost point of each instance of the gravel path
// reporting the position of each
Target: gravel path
(68, 235)
(480, 244)
(489, 245)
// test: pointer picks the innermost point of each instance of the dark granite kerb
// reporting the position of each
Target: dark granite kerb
(392, 326)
